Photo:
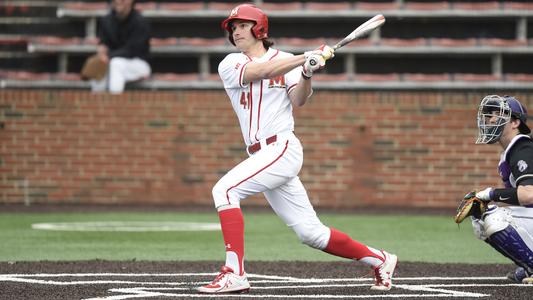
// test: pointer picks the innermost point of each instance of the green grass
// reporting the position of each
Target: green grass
(413, 238)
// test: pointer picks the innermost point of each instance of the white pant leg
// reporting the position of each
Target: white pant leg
(99, 86)
(292, 205)
(122, 70)
(267, 169)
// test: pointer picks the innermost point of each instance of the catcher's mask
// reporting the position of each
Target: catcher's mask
(248, 12)
(496, 111)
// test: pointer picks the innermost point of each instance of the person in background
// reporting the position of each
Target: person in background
(124, 45)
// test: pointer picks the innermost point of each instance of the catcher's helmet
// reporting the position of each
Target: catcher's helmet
(248, 12)
(496, 111)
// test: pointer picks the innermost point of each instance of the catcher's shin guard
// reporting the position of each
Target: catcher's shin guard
(510, 243)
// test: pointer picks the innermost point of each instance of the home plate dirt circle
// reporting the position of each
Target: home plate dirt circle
(112, 280)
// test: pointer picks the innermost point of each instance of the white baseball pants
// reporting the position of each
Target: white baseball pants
(273, 170)
(121, 70)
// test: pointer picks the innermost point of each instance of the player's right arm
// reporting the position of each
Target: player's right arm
(264, 70)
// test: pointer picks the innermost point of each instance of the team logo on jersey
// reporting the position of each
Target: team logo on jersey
(237, 66)
(522, 165)
(277, 82)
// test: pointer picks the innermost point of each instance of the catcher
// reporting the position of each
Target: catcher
(506, 225)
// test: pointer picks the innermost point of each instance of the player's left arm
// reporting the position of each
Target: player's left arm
(521, 163)
(525, 194)
(522, 169)
(302, 92)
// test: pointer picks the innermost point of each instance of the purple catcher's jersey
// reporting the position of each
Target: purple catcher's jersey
(516, 162)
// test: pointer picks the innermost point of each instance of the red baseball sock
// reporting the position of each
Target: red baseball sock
(232, 223)
(340, 244)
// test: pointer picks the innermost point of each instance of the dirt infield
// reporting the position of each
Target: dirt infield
(280, 280)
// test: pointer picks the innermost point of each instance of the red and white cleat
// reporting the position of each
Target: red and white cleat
(384, 272)
(226, 282)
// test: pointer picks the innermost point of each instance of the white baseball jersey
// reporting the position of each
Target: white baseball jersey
(263, 107)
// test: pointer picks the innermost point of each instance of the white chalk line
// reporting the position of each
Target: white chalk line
(249, 275)
(139, 294)
(427, 289)
(131, 226)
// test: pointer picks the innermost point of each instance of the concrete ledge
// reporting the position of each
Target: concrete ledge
(318, 85)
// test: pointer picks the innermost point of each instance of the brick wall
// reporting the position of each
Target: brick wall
(361, 148)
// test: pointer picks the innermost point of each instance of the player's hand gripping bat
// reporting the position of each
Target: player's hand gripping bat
(359, 32)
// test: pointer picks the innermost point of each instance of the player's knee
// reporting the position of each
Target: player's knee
(222, 195)
(495, 220)
(218, 192)
(479, 231)
(313, 235)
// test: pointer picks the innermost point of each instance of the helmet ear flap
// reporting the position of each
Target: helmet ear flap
(260, 31)
(518, 112)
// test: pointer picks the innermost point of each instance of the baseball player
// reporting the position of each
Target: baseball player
(264, 84)
(508, 226)
(124, 44)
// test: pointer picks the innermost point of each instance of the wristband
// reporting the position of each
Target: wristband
(305, 77)
(509, 196)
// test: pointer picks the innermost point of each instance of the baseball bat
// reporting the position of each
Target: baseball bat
(361, 31)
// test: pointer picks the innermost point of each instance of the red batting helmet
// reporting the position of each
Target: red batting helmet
(248, 12)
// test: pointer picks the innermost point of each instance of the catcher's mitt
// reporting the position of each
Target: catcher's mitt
(470, 206)
(94, 68)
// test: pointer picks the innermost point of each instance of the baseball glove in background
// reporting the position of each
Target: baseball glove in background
(470, 206)
(94, 68)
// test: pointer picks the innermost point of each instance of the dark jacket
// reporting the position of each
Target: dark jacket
(127, 38)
